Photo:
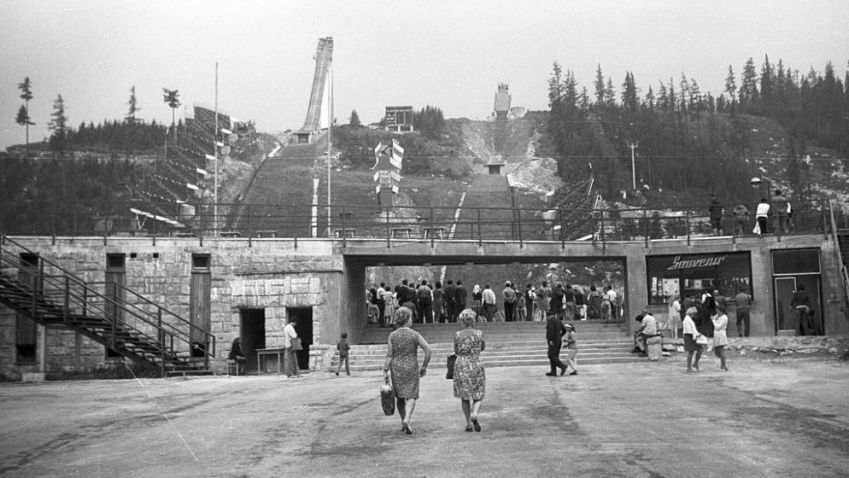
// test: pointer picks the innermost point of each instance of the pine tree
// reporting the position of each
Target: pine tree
(731, 90)
(599, 86)
(26, 95)
(59, 126)
(355, 119)
(610, 93)
(629, 93)
(22, 119)
(649, 100)
(767, 86)
(749, 86)
(134, 108)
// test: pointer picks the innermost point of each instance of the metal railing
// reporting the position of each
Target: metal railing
(55, 293)
(844, 274)
(409, 223)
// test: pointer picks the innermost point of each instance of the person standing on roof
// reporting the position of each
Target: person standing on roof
(716, 210)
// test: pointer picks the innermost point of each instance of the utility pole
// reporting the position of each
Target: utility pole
(633, 146)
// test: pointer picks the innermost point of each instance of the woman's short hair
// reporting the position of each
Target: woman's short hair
(467, 317)
(402, 316)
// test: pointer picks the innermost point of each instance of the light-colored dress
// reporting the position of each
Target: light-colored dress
(404, 366)
(674, 319)
(469, 373)
(720, 323)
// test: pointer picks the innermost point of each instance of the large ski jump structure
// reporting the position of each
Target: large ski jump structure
(323, 57)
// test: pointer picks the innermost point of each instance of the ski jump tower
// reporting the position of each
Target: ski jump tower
(323, 57)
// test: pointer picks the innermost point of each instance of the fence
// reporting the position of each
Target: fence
(342, 222)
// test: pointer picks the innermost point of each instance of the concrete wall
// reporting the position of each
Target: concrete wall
(273, 274)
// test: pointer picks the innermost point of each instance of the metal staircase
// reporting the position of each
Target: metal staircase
(108, 313)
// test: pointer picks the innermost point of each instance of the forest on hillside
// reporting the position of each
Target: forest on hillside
(688, 142)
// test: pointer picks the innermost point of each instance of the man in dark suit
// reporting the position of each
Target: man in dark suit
(460, 302)
(451, 301)
(554, 331)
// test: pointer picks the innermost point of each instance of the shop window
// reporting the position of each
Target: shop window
(691, 274)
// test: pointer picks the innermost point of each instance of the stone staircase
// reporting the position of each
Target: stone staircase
(508, 344)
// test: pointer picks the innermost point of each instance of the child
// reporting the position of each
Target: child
(343, 347)
(521, 308)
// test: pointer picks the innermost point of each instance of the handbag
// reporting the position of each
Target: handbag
(701, 340)
(387, 399)
(296, 344)
(452, 359)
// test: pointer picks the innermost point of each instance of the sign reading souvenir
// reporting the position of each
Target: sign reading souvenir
(711, 261)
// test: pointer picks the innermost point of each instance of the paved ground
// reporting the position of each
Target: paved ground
(763, 418)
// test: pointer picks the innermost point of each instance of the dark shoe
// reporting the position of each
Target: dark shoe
(562, 371)
(337, 374)
(469, 428)
(725, 368)
(574, 372)
(550, 374)
(407, 429)
(476, 424)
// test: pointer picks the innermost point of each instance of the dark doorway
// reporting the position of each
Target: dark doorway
(26, 331)
(115, 280)
(252, 333)
(304, 329)
(199, 303)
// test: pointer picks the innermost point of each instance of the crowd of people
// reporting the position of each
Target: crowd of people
(778, 208)
(443, 304)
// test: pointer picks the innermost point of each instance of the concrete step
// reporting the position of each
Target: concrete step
(506, 331)
(535, 361)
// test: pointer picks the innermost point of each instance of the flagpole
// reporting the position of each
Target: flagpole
(329, 148)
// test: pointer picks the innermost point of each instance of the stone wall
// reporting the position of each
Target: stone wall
(270, 275)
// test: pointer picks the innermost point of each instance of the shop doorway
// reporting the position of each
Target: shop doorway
(792, 270)
(252, 333)
(303, 315)
(784, 317)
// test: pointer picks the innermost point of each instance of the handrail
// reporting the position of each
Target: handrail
(132, 307)
(844, 273)
(86, 300)
(293, 221)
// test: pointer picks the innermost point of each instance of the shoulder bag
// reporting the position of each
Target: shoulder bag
(296, 344)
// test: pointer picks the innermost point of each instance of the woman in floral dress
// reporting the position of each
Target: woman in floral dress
(469, 373)
(402, 364)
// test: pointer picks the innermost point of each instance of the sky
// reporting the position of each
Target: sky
(448, 54)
